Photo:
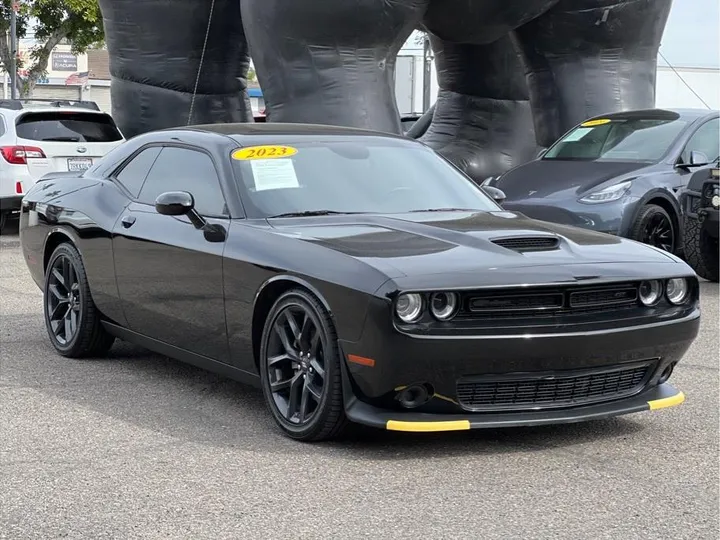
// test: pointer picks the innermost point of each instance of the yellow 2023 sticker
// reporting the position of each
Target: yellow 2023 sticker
(598, 122)
(263, 152)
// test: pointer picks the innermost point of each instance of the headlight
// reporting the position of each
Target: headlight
(715, 201)
(677, 290)
(609, 194)
(650, 292)
(408, 307)
(444, 305)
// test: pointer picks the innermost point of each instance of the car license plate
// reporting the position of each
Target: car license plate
(79, 164)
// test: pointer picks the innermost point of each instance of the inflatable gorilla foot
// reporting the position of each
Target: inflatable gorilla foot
(513, 74)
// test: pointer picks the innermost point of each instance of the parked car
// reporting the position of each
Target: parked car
(618, 174)
(41, 136)
(356, 276)
(700, 202)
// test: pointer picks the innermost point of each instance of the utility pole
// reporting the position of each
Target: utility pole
(13, 49)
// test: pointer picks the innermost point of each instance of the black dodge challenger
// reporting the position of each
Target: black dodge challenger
(356, 277)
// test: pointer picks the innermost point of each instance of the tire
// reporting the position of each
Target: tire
(701, 250)
(3, 221)
(643, 226)
(328, 420)
(88, 338)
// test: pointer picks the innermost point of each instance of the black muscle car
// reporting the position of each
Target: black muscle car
(354, 276)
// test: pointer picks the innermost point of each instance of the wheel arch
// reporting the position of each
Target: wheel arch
(664, 200)
(56, 237)
(267, 295)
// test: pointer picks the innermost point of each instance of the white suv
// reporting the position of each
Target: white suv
(42, 136)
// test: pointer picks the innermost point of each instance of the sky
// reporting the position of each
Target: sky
(692, 34)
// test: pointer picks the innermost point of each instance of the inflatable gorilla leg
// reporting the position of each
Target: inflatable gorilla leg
(330, 61)
(589, 57)
(155, 48)
(482, 120)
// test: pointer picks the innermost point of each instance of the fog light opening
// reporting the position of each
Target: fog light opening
(666, 373)
(414, 395)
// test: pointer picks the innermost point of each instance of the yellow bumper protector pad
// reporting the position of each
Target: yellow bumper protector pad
(449, 425)
(671, 401)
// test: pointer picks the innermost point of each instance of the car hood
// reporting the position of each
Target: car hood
(449, 242)
(548, 178)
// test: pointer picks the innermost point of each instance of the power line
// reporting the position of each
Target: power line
(683, 80)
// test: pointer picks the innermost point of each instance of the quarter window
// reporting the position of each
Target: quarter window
(181, 169)
(133, 175)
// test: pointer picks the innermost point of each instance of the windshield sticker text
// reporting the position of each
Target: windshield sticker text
(274, 174)
(263, 152)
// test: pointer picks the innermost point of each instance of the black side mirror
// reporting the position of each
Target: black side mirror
(174, 203)
(179, 203)
(498, 195)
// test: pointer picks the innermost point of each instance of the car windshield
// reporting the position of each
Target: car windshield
(352, 175)
(618, 139)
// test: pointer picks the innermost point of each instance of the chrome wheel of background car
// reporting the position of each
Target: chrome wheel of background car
(296, 364)
(64, 300)
(659, 232)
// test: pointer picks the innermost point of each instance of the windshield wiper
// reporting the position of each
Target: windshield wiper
(309, 213)
(447, 210)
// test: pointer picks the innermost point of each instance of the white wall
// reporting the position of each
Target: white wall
(672, 92)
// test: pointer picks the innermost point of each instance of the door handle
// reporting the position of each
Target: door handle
(128, 221)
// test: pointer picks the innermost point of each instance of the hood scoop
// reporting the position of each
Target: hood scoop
(528, 243)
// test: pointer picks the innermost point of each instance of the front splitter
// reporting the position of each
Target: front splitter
(658, 397)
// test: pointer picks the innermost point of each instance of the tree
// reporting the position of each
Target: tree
(77, 22)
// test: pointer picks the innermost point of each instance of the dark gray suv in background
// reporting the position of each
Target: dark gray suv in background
(618, 173)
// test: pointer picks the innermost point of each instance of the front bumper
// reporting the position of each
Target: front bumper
(383, 363)
(697, 204)
(659, 397)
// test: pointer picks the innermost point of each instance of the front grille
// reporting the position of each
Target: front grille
(603, 297)
(533, 243)
(548, 302)
(552, 390)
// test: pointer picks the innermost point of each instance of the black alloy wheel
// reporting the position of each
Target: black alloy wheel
(300, 368)
(63, 302)
(71, 318)
(655, 227)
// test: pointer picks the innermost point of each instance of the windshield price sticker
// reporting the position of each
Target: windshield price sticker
(274, 174)
(598, 122)
(263, 152)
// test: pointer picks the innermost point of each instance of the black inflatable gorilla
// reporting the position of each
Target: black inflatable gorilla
(513, 74)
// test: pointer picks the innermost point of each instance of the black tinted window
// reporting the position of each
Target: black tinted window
(179, 169)
(67, 126)
(134, 173)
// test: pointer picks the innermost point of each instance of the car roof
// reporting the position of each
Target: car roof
(681, 113)
(12, 113)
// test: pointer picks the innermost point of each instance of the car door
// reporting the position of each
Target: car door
(169, 273)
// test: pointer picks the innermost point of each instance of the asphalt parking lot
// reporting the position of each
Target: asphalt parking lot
(140, 446)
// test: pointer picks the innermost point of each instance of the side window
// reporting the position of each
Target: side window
(2, 125)
(706, 140)
(133, 175)
(180, 169)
